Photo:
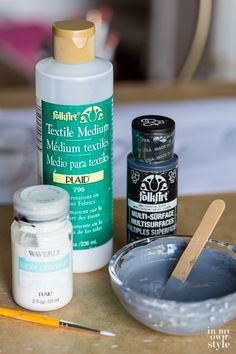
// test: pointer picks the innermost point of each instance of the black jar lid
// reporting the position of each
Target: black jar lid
(153, 138)
(153, 124)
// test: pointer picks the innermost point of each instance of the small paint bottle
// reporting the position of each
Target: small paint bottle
(152, 174)
(41, 240)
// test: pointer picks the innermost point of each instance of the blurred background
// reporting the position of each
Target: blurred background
(160, 40)
(171, 57)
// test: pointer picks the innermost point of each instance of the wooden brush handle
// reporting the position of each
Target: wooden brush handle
(29, 317)
(198, 240)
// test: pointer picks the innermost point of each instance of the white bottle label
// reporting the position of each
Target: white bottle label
(43, 268)
(43, 276)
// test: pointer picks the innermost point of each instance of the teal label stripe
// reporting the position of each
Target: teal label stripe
(43, 267)
(77, 156)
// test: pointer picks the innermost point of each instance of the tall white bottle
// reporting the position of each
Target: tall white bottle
(74, 125)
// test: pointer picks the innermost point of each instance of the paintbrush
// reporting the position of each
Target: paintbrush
(175, 283)
(48, 321)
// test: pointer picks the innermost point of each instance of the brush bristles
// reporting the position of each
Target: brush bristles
(106, 333)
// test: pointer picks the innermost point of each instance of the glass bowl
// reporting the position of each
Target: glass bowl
(172, 317)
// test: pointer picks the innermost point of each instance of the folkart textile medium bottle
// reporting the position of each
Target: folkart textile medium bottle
(74, 123)
(151, 178)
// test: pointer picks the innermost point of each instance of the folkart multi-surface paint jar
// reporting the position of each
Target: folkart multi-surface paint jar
(152, 178)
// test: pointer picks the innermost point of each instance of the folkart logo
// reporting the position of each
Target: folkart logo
(68, 116)
(153, 189)
(135, 175)
(91, 114)
(149, 122)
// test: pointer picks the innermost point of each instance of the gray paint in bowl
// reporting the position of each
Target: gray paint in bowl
(208, 299)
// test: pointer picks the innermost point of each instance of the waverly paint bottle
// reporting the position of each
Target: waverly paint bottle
(74, 127)
(41, 245)
(151, 178)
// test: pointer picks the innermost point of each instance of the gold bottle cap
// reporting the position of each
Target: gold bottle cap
(73, 41)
